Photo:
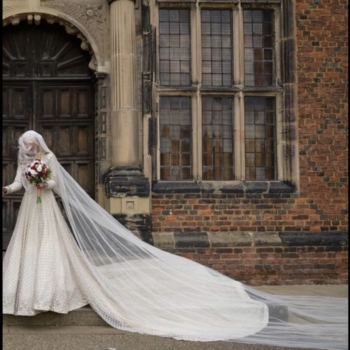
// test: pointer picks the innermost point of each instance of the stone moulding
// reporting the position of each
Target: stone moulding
(10, 5)
(69, 27)
(92, 17)
(173, 240)
(126, 182)
(243, 187)
(88, 22)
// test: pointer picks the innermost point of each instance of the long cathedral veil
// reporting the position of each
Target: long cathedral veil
(144, 289)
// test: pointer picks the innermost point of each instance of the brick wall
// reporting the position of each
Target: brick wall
(260, 212)
(274, 265)
(321, 205)
(254, 238)
(322, 71)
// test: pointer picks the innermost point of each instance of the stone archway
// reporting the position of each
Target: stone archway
(47, 86)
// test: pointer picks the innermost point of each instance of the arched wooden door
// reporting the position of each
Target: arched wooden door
(47, 87)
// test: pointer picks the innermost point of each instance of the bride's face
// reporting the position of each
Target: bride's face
(31, 147)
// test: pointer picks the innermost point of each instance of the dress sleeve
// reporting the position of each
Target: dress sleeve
(17, 184)
(52, 182)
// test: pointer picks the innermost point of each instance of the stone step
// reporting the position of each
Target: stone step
(104, 338)
(84, 316)
(87, 317)
(84, 329)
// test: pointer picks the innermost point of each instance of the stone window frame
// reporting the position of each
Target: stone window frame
(284, 91)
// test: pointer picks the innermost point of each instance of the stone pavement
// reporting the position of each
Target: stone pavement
(84, 330)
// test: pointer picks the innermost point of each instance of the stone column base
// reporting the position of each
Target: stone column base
(139, 224)
(128, 200)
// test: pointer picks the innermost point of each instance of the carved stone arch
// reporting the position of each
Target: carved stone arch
(71, 25)
(45, 87)
(92, 39)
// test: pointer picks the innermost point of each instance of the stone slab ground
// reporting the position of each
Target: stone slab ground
(83, 329)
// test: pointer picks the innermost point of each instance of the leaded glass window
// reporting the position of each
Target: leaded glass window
(174, 47)
(217, 92)
(217, 47)
(217, 136)
(258, 48)
(175, 138)
(259, 138)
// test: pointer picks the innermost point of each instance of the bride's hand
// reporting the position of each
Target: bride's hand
(40, 185)
(4, 191)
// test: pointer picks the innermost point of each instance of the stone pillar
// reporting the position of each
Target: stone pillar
(127, 189)
(123, 83)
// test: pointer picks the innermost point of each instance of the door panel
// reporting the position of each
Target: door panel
(17, 110)
(47, 87)
(17, 102)
(16, 120)
(70, 132)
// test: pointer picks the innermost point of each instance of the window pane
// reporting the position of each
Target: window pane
(217, 47)
(217, 139)
(174, 47)
(259, 52)
(259, 138)
(175, 124)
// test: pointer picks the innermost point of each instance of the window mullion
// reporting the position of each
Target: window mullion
(238, 110)
(277, 43)
(239, 137)
(155, 84)
(279, 161)
(196, 44)
(156, 70)
(238, 46)
(280, 164)
(196, 137)
(158, 137)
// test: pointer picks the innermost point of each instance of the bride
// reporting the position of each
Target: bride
(59, 264)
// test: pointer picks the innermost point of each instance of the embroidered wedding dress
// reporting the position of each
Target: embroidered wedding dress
(92, 259)
(38, 275)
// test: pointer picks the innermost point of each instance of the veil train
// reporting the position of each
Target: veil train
(140, 288)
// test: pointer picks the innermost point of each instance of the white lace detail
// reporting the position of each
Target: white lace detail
(37, 271)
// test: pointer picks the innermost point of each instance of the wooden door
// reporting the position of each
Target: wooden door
(47, 87)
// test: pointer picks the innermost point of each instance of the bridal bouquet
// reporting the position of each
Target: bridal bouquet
(36, 172)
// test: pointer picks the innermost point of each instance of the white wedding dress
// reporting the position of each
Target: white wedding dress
(92, 259)
(37, 268)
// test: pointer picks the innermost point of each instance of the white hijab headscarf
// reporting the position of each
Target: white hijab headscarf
(30, 144)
